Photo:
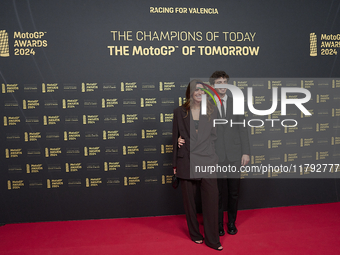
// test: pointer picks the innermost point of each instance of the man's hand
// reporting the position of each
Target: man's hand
(180, 141)
(245, 159)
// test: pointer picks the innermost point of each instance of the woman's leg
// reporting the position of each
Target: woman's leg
(209, 194)
(189, 189)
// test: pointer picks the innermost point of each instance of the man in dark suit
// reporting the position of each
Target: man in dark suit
(232, 148)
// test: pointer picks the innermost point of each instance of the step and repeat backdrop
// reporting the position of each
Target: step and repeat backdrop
(88, 90)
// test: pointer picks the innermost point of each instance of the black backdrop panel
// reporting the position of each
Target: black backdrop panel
(89, 87)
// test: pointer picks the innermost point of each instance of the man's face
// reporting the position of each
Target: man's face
(222, 91)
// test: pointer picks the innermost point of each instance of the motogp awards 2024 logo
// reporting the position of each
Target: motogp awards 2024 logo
(329, 44)
(25, 43)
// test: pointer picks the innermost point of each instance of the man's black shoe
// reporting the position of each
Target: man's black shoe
(232, 230)
(221, 229)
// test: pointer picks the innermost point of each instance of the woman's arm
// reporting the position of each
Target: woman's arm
(175, 134)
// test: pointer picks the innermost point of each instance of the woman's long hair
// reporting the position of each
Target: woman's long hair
(188, 95)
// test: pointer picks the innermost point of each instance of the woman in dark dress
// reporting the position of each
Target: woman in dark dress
(198, 150)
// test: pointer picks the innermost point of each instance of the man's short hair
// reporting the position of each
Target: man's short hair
(217, 75)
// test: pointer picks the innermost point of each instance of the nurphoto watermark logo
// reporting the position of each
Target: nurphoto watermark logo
(239, 99)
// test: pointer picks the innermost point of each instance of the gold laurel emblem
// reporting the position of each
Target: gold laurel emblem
(4, 46)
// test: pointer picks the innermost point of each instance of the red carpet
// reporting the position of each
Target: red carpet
(309, 229)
